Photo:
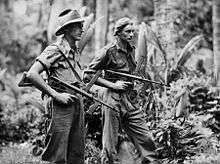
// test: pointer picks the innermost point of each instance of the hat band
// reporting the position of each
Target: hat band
(68, 18)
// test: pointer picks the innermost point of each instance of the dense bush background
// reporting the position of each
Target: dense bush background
(184, 120)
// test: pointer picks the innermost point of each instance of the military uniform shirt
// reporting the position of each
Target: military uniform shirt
(114, 57)
(52, 60)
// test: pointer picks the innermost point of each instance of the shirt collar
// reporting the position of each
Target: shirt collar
(63, 45)
(122, 47)
(129, 51)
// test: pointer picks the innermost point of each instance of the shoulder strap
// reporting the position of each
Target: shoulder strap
(71, 67)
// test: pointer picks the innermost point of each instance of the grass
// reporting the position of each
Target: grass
(18, 154)
(21, 154)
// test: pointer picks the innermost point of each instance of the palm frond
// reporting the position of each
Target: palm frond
(88, 21)
(82, 11)
(153, 39)
(187, 51)
(141, 51)
(88, 35)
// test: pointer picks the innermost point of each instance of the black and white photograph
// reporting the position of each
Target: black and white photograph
(109, 81)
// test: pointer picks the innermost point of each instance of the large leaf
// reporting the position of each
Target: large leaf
(153, 39)
(88, 21)
(141, 52)
(82, 11)
(128, 153)
(187, 51)
(88, 33)
(182, 104)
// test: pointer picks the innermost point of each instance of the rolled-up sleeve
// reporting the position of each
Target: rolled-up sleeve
(49, 56)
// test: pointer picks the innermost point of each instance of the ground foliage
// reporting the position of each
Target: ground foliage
(184, 119)
(185, 129)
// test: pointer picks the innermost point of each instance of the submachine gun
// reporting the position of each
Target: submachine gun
(97, 105)
(138, 78)
(24, 82)
(80, 91)
(84, 92)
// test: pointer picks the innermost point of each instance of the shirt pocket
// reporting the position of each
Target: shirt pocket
(61, 63)
(119, 63)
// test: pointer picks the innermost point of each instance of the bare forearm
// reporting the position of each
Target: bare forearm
(105, 83)
(100, 81)
(118, 85)
(40, 84)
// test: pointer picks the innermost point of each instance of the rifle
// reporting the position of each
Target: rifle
(81, 92)
(135, 77)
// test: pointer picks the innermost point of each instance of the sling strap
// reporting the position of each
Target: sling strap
(71, 67)
(24, 81)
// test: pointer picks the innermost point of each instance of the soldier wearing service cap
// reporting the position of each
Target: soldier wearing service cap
(129, 120)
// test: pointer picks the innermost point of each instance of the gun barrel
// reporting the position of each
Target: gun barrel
(135, 77)
(82, 92)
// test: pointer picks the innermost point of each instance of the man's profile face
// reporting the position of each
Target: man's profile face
(75, 30)
(127, 33)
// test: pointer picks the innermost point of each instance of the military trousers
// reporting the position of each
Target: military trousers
(131, 121)
(65, 136)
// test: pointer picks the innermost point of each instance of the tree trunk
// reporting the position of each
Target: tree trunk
(101, 28)
(216, 40)
(6, 5)
(166, 11)
(56, 7)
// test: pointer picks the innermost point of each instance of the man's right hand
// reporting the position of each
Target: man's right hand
(64, 98)
(122, 85)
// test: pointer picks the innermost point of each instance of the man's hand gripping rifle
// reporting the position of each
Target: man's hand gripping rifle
(81, 92)
(135, 77)
(25, 82)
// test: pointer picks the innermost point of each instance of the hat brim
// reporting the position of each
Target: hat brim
(59, 30)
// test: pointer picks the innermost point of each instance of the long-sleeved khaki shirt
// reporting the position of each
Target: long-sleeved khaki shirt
(113, 57)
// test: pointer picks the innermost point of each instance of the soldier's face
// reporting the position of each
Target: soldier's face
(75, 30)
(127, 33)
